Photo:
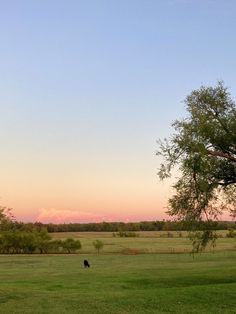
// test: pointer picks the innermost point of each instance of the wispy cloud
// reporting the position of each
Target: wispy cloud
(72, 216)
(67, 216)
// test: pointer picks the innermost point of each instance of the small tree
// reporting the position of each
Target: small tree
(71, 245)
(98, 245)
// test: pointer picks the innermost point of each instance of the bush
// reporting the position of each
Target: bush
(71, 245)
(231, 233)
(34, 241)
(17, 242)
(123, 234)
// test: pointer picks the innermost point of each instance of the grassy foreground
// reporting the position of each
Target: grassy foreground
(145, 283)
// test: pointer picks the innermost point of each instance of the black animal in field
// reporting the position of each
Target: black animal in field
(86, 263)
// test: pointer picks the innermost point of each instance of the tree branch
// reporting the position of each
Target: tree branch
(226, 183)
(221, 154)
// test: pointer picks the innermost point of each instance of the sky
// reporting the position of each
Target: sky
(86, 90)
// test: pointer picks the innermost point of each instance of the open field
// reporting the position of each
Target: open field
(118, 284)
(147, 242)
(129, 276)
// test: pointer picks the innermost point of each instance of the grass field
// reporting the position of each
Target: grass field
(119, 283)
(147, 242)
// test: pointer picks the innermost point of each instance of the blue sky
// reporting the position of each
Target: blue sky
(87, 87)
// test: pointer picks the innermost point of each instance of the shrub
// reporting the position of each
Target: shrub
(30, 241)
(71, 245)
(231, 233)
(123, 234)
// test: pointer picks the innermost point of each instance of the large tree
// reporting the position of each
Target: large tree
(203, 148)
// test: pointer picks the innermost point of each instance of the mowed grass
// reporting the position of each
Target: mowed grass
(116, 283)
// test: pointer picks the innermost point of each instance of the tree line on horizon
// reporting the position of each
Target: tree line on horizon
(158, 225)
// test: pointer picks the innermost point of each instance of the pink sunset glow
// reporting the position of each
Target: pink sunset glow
(67, 216)
(70, 216)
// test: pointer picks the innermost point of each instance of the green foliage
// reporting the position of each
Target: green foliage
(42, 239)
(200, 239)
(123, 234)
(167, 225)
(17, 238)
(6, 218)
(71, 245)
(98, 245)
(104, 226)
(17, 242)
(204, 150)
(231, 233)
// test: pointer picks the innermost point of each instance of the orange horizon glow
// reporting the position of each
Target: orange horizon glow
(93, 193)
(68, 216)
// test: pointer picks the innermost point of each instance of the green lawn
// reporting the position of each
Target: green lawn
(116, 283)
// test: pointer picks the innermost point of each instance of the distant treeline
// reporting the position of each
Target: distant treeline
(163, 225)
